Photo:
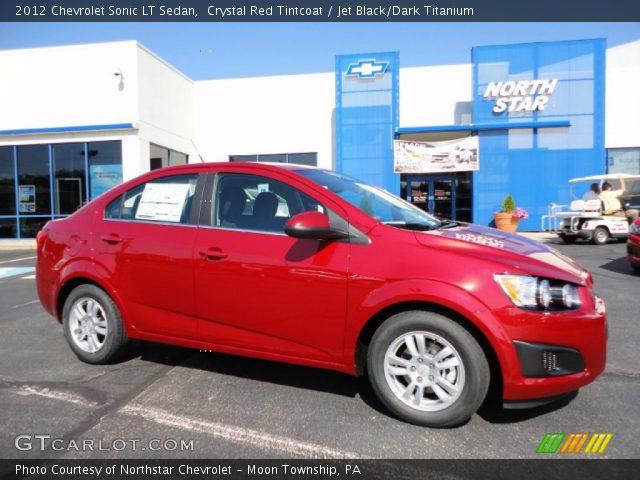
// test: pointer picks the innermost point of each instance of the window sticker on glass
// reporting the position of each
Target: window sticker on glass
(162, 202)
(263, 187)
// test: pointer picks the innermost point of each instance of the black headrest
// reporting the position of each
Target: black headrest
(266, 205)
(232, 202)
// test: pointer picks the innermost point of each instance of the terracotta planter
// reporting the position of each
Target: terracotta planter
(506, 221)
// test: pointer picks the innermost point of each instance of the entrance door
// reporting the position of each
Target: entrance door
(68, 195)
(435, 194)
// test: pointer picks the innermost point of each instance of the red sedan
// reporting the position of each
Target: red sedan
(311, 267)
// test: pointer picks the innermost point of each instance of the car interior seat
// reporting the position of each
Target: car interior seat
(233, 201)
(264, 212)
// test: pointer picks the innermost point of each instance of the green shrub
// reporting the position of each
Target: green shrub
(509, 205)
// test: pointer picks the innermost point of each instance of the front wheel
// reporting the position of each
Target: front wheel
(427, 369)
(600, 236)
(92, 325)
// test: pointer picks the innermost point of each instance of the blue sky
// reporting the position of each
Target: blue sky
(223, 50)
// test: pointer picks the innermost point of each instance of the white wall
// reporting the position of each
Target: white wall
(166, 103)
(264, 115)
(429, 95)
(68, 86)
(622, 104)
(75, 86)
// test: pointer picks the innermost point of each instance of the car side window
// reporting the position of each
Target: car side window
(253, 202)
(164, 200)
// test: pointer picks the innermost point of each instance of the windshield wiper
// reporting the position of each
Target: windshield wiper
(410, 226)
(447, 224)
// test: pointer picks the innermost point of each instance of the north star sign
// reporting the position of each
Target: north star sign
(520, 96)
(367, 69)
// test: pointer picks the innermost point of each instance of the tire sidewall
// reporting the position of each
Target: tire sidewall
(115, 332)
(473, 359)
(596, 238)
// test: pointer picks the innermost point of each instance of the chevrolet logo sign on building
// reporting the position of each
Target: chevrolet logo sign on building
(367, 69)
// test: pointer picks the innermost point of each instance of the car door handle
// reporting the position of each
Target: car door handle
(111, 238)
(213, 253)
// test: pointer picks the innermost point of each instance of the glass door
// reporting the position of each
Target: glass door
(435, 194)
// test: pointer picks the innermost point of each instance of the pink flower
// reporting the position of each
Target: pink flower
(521, 213)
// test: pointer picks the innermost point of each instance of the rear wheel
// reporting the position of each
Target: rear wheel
(92, 325)
(427, 369)
(600, 236)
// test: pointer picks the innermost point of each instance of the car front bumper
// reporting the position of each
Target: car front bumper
(553, 353)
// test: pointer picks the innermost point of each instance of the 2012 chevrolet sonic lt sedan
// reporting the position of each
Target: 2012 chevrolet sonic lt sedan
(312, 267)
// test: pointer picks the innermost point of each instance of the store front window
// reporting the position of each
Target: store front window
(160, 157)
(308, 158)
(46, 181)
(624, 160)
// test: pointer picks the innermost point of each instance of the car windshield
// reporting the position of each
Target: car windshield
(375, 202)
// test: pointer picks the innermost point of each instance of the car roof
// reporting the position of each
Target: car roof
(245, 165)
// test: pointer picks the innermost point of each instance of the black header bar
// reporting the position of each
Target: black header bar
(319, 469)
(319, 11)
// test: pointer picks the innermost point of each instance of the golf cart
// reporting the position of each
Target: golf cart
(583, 219)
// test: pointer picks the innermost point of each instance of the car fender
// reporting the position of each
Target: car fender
(441, 294)
(97, 274)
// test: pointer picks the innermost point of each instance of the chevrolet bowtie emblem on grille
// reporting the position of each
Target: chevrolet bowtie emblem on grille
(367, 69)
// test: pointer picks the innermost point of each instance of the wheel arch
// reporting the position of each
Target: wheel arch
(68, 286)
(370, 327)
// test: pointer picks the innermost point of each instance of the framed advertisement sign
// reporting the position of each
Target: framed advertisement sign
(459, 155)
(27, 198)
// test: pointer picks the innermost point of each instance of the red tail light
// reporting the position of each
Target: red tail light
(41, 237)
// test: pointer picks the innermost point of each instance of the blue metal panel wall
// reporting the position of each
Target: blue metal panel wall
(534, 164)
(367, 115)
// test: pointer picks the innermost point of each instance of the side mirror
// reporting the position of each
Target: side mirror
(313, 225)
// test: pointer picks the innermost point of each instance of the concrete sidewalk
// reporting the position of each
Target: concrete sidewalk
(24, 244)
(544, 237)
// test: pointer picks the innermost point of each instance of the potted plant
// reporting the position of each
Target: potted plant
(507, 219)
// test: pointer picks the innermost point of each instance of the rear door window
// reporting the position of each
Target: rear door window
(163, 200)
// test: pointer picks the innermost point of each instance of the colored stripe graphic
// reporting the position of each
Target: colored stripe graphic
(573, 443)
(550, 442)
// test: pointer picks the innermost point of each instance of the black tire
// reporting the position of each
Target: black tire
(634, 267)
(600, 236)
(568, 238)
(474, 362)
(115, 340)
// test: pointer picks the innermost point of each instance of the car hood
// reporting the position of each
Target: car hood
(517, 253)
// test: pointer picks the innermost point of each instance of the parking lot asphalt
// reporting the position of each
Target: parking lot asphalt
(169, 402)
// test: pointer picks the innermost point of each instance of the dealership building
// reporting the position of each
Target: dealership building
(77, 120)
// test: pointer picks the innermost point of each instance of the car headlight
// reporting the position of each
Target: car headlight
(537, 293)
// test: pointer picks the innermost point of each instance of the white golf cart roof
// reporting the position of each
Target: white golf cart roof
(609, 176)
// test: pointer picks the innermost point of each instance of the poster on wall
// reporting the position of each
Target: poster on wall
(27, 194)
(162, 202)
(459, 155)
(103, 178)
